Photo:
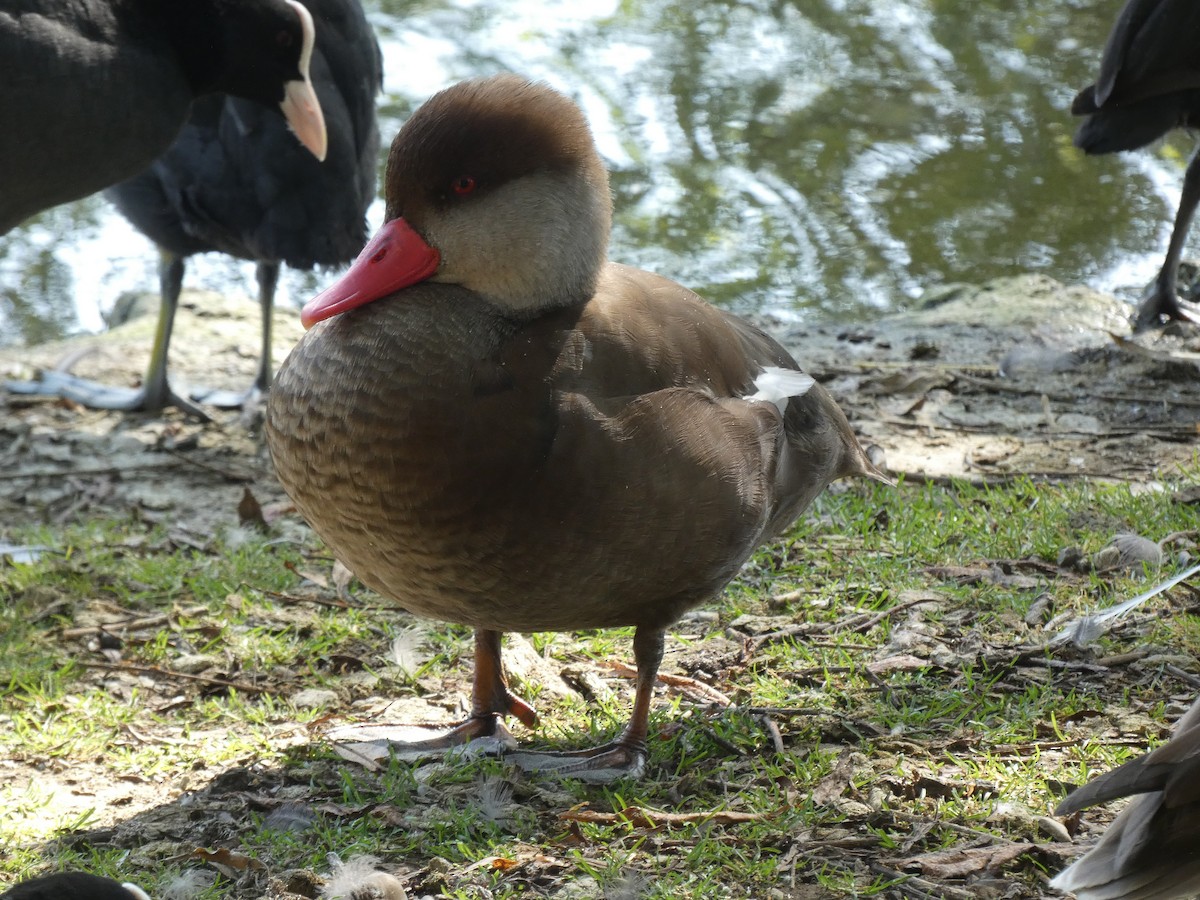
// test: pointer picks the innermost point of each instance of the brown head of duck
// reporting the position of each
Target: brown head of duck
(494, 425)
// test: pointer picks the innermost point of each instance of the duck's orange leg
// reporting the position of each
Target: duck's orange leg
(491, 700)
(490, 696)
(626, 756)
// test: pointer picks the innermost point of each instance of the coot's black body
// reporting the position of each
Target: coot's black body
(1149, 84)
(93, 90)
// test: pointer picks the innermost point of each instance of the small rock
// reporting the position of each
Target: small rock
(1128, 551)
(314, 698)
(1073, 558)
(1053, 829)
(584, 888)
(1038, 610)
(194, 663)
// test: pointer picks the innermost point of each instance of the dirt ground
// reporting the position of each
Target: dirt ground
(1024, 377)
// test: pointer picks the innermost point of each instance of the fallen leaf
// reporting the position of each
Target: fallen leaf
(960, 863)
(694, 690)
(364, 753)
(903, 662)
(343, 810)
(315, 577)
(229, 863)
(995, 574)
(914, 381)
(250, 514)
(391, 815)
(834, 785)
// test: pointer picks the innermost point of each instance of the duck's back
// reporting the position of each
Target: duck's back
(550, 474)
(89, 95)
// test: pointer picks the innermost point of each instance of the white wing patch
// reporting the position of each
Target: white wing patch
(776, 385)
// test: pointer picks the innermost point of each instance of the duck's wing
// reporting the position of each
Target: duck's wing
(1173, 768)
(1149, 850)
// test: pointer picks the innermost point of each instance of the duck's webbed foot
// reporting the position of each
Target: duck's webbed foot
(485, 721)
(600, 765)
(491, 701)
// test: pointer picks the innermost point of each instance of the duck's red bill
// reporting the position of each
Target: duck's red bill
(395, 258)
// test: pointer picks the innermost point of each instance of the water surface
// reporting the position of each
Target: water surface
(806, 158)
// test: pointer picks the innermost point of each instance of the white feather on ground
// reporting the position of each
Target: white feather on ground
(359, 879)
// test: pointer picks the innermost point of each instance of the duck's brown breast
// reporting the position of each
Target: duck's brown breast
(465, 465)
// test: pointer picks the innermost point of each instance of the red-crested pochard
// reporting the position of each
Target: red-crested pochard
(1151, 851)
(1149, 84)
(494, 425)
(237, 181)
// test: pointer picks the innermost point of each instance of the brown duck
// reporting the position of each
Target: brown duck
(1151, 851)
(494, 425)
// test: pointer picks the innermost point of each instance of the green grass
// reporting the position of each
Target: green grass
(970, 736)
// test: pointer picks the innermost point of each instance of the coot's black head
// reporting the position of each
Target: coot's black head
(73, 886)
(256, 49)
(259, 46)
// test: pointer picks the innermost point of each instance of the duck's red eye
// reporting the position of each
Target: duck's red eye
(463, 185)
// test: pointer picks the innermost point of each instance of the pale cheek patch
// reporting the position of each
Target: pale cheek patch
(778, 386)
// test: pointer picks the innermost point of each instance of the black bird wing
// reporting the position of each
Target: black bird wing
(1151, 49)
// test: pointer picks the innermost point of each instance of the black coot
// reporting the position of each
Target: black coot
(93, 90)
(236, 181)
(73, 886)
(1149, 83)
